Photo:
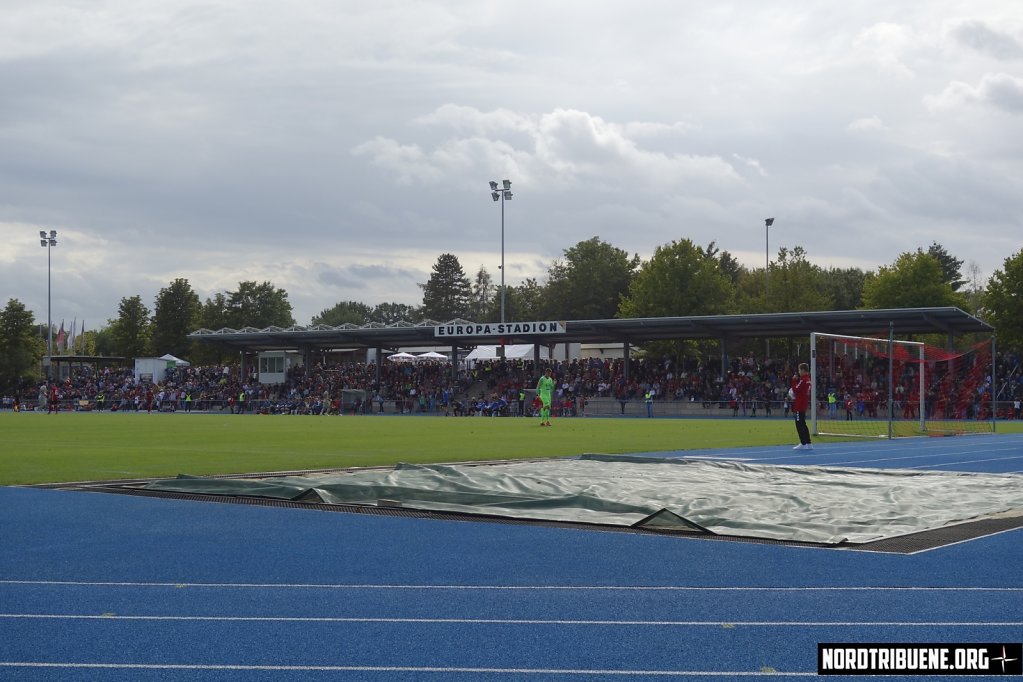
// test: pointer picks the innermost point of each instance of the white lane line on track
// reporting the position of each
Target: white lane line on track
(609, 588)
(508, 621)
(931, 458)
(404, 669)
(597, 588)
(972, 461)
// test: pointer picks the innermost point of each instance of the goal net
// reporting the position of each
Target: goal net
(885, 388)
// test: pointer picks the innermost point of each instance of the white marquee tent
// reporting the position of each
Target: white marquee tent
(178, 362)
(522, 351)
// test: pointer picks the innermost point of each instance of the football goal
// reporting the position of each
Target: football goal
(888, 388)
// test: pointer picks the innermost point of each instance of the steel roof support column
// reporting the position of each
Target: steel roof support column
(994, 388)
(626, 359)
(723, 342)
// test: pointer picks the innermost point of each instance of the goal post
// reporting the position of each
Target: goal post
(888, 388)
(869, 387)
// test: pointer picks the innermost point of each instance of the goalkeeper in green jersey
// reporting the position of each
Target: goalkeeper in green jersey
(544, 389)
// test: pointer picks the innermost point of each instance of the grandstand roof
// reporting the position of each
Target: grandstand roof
(948, 321)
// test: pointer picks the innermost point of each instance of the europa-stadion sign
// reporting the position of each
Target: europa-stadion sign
(497, 329)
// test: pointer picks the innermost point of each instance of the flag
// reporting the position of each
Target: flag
(71, 335)
(81, 337)
(61, 335)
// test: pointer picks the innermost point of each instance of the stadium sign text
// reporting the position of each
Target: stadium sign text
(498, 329)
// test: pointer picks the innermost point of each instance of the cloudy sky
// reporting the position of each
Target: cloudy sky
(337, 148)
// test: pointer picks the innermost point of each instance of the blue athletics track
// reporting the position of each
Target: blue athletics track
(114, 587)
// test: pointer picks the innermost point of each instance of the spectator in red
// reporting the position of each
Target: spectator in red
(54, 404)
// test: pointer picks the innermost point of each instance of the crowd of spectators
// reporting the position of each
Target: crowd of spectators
(850, 389)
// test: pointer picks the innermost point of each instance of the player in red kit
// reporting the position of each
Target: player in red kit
(800, 404)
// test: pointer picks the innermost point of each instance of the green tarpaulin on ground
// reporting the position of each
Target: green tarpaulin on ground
(796, 503)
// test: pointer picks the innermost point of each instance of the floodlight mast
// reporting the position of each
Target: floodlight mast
(767, 273)
(502, 194)
(48, 241)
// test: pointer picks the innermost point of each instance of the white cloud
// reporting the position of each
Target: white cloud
(750, 163)
(998, 90)
(566, 147)
(409, 163)
(887, 43)
(869, 124)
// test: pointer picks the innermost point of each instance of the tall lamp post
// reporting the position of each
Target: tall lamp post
(767, 272)
(48, 241)
(503, 193)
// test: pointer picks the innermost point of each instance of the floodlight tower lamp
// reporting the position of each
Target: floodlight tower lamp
(502, 193)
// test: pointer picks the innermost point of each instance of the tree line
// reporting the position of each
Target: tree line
(591, 280)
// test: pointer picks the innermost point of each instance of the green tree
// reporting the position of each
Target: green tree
(345, 312)
(975, 293)
(213, 314)
(951, 267)
(390, 313)
(131, 329)
(590, 282)
(21, 349)
(796, 284)
(177, 315)
(1004, 302)
(483, 296)
(679, 280)
(915, 280)
(525, 301)
(446, 295)
(845, 286)
(258, 305)
(732, 268)
(103, 340)
(85, 342)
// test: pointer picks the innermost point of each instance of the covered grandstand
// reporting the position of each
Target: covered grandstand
(951, 323)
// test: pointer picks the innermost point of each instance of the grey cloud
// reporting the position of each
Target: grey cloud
(999, 90)
(979, 36)
(362, 277)
(339, 278)
(338, 148)
(1004, 91)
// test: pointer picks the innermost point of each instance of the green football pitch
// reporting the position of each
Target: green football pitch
(80, 446)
